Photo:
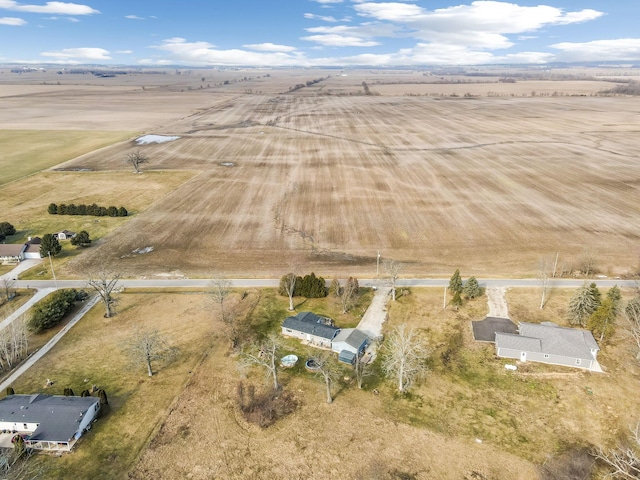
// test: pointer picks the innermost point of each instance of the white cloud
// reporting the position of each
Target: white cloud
(270, 47)
(124, 52)
(133, 17)
(333, 40)
(13, 21)
(313, 16)
(203, 53)
(327, 1)
(481, 24)
(58, 8)
(598, 50)
(78, 55)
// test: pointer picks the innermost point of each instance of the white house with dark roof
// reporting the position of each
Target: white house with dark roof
(311, 328)
(549, 343)
(48, 422)
(65, 235)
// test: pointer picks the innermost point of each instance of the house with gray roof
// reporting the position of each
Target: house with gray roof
(48, 422)
(311, 328)
(549, 343)
(348, 343)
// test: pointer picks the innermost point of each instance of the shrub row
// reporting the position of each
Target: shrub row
(92, 209)
(308, 286)
(50, 310)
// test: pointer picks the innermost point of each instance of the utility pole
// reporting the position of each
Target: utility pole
(378, 264)
(444, 299)
(52, 272)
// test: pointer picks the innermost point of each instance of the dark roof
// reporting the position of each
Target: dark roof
(345, 356)
(11, 249)
(308, 322)
(485, 330)
(58, 417)
(34, 241)
(352, 337)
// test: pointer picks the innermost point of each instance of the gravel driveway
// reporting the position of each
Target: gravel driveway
(376, 314)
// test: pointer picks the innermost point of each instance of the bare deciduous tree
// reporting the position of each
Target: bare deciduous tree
(587, 262)
(265, 355)
(148, 346)
(327, 371)
(405, 356)
(105, 283)
(288, 284)
(349, 294)
(6, 288)
(632, 315)
(14, 343)
(623, 460)
(362, 370)
(136, 159)
(219, 290)
(393, 269)
(544, 274)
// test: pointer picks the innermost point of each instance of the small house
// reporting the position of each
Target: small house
(65, 235)
(48, 422)
(349, 343)
(311, 328)
(549, 343)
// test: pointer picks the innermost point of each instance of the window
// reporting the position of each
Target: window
(546, 355)
(288, 330)
(578, 361)
(25, 425)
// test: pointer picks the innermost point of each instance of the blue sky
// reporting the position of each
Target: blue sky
(318, 32)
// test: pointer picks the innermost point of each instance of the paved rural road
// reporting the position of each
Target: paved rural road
(265, 282)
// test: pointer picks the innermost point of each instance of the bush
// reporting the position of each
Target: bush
(7, 229)
(266, 408)
(49, 311)
(310, 287)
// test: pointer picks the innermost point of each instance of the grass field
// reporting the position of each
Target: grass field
(25, 152)
(26, 202)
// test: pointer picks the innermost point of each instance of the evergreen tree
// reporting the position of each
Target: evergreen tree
(68, 392)
(52, 209)
(584, 302)
(85, 393)
(615, 296)
(471, 288)
(455, 284)
(602, 322)
(49, 244)
(10, 391)
(122, 212)
(112, 211)
(456, 301)
(7, 229)
(81, 239)
(103, 397)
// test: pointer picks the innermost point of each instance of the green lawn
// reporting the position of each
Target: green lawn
(29, 151)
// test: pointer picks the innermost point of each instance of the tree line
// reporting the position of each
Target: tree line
(93, 209)
(6, 229)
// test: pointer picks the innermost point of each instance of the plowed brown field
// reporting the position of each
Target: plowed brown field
(326, 181)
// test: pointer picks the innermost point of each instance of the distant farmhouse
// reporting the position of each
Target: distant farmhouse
(318, 331)
(549, 343)
(64, 235)
(11, 253)
(48, 422)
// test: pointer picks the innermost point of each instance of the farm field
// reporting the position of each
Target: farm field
(324, 176)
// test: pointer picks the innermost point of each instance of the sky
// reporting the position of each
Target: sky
(322, 33)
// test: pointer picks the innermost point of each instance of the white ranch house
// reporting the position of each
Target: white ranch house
(48, 422)
(311, 328)
(549, 343)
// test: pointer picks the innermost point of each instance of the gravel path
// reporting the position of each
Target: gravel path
(497, 303)
(376, 314)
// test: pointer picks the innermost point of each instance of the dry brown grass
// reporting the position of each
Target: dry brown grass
(92, 353)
